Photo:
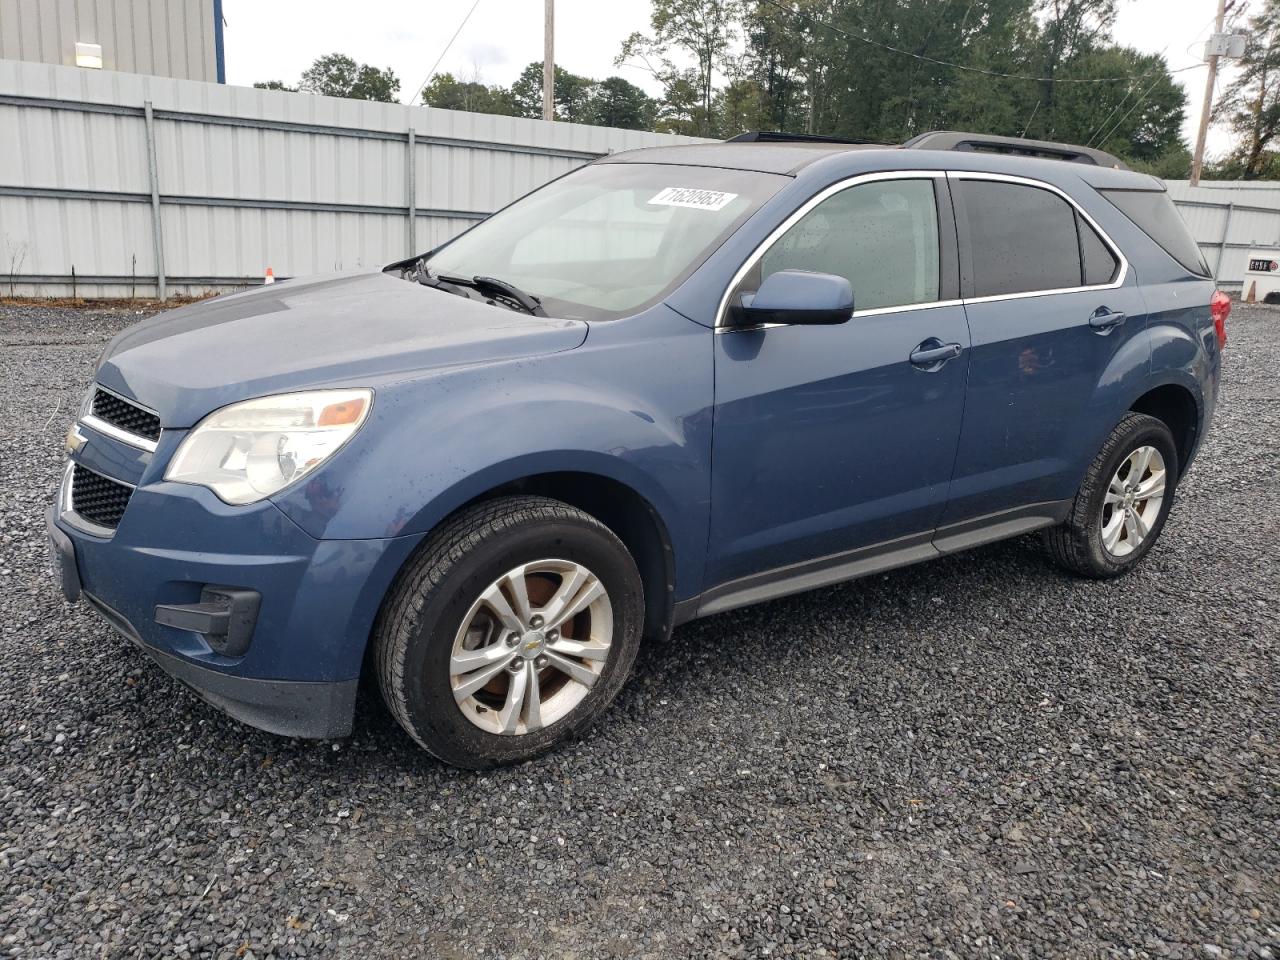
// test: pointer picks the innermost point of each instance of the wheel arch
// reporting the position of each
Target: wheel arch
(1180, 409)
(630, 514)
(631, 517)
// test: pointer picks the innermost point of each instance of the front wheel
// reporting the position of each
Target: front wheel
(1123, 502)
(510, 631)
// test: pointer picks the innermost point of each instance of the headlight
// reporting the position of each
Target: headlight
(250, 450)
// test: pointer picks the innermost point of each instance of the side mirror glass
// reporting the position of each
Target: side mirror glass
(797, 297)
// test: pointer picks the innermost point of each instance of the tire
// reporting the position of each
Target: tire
(419, 637)
(1079, 544)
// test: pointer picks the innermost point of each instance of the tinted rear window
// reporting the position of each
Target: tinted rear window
(1021, 239)
(1154, 212)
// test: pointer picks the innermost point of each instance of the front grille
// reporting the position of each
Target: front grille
(125, 415)
(97, 498)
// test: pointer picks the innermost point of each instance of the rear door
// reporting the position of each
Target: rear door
(1051, 304)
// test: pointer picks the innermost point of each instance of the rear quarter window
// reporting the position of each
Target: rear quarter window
(1100, 264)
(1154, 213)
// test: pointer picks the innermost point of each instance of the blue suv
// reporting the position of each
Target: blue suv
(673, 382)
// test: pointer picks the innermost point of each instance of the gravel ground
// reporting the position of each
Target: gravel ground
(974, 757)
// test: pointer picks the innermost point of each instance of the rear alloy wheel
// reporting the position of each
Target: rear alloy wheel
(510, 631)
(1123, 501)
(1132, 501)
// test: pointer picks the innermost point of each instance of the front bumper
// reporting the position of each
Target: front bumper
(291, 708)
(319, 598)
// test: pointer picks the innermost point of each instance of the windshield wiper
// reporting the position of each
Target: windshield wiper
(510, 291)
(492, 288)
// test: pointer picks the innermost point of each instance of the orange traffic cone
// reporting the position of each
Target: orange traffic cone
(270, 277)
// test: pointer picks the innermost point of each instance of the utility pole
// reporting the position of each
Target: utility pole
(549, 61)
(1197, 161)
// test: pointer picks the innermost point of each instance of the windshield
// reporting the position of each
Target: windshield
(609, 239)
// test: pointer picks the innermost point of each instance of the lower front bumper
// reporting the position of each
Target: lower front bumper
(295, 669)
(290, 708)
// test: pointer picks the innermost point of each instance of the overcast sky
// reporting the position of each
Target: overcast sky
(278, 39)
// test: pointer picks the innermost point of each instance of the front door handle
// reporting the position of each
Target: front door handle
(932, 354)
(1104, 319)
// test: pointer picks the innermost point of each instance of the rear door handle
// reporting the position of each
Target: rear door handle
(1104, 319)
(928, 356)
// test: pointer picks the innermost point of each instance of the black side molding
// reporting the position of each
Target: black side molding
(876, 558)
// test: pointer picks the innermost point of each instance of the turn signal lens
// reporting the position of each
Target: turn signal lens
(339, 414)
(1220, 309)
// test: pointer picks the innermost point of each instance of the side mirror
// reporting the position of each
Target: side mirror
(797, 297)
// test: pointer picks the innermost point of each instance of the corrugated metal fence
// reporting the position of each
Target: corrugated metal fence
(1228, 220)
(113, 184)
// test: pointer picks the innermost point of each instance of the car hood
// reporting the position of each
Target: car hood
(348, 330)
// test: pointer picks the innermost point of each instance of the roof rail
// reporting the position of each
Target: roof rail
(982, 143)
(777, 136)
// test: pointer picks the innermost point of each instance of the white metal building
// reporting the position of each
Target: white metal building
(163, 38)
(1229, 219)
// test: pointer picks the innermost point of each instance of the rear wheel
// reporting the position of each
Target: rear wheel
(1123, 502)
(512, 629)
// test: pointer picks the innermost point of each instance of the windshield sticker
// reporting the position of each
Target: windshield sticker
(691, 197)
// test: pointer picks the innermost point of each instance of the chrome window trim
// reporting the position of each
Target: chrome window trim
(67, 512)
(116, 433)
(763, 247)
(1121, 274)
(796, 215)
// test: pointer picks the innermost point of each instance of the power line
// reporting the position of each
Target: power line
(1027, 126)
(1141, 100)
(1129, 91)
(959, 66)
(422, 86)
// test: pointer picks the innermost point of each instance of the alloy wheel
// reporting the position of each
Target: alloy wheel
(1132, 502)
(531, 647)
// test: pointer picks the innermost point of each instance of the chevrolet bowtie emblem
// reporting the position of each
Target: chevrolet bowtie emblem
(75, 440)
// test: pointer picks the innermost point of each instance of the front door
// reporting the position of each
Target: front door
(830, 440)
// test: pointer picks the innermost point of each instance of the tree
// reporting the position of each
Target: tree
(704, 29)
(680, 110)
(449, 93)
(888, 69)
(774, 59)
(275, 85)
(572, 94)
(1140, 120)
(1251, 104)
(1173, 164)
(620, 103)
(740, 106)
(337, 75)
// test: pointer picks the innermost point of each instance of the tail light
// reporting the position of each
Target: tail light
(1220, 309)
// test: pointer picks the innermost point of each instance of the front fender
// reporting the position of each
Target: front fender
(633, 404)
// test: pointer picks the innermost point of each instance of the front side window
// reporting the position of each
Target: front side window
(881, 236)
(1021, 239)
(609, 239)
